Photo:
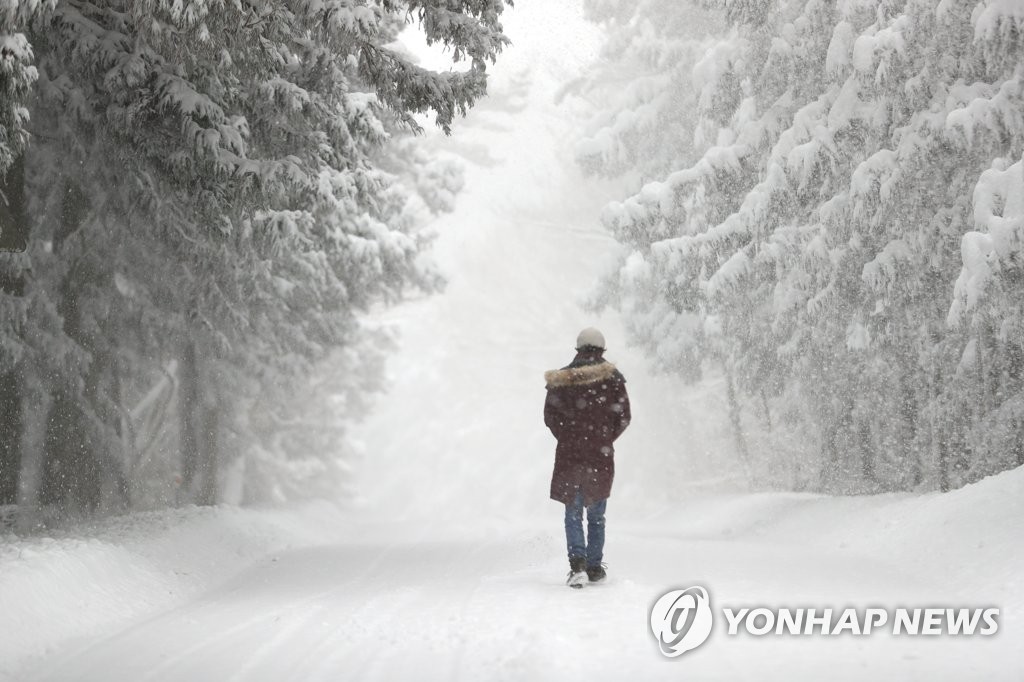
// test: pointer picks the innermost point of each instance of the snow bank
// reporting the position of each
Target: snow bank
(968, 539)
(93, 579)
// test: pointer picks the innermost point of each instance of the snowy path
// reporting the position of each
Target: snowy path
(451, 566)
(397, 601)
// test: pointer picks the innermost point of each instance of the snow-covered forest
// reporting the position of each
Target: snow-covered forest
(279, 283)
(200, 198)
(830, 213)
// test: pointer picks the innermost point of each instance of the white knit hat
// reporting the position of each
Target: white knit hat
(590, 337)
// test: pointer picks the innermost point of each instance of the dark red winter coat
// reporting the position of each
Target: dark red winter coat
(587, 408)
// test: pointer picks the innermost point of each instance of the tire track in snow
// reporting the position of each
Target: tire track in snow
(442, 608)
(137, 641)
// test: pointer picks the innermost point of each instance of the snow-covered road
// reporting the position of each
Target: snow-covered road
(451, 565)
(393, 601)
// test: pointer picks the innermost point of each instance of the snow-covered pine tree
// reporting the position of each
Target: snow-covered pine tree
(203, 186)
(988, 300)
(644, 129)
(817, 238)
(291, 443)
(643, 81)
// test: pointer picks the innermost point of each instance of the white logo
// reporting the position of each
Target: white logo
(681, 620)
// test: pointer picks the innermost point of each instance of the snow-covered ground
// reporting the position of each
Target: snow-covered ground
(451, 563)
(320, 594)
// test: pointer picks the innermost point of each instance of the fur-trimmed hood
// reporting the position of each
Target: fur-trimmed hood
(578, 376)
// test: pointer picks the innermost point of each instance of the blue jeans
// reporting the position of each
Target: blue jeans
(592, 551)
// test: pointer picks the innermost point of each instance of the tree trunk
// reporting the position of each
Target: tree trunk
(125, 434)
(909, 411)
(867, 451)
(14, 228)
(82, 469)
(1018, 441)
(70, 477)
(735, 420)
(1015, 374)
(943, 461)
(767, 410)
(35, 409)
(10, 436)
(188, 398)
(13, 237)
(207, 493)
(837, 441)
(199, 424)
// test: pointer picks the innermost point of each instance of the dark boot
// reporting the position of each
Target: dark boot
(596, 573)
(577, 572)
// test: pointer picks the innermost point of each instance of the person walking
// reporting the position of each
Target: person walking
(586, 409)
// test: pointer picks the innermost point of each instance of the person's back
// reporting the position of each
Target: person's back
(587, 409)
